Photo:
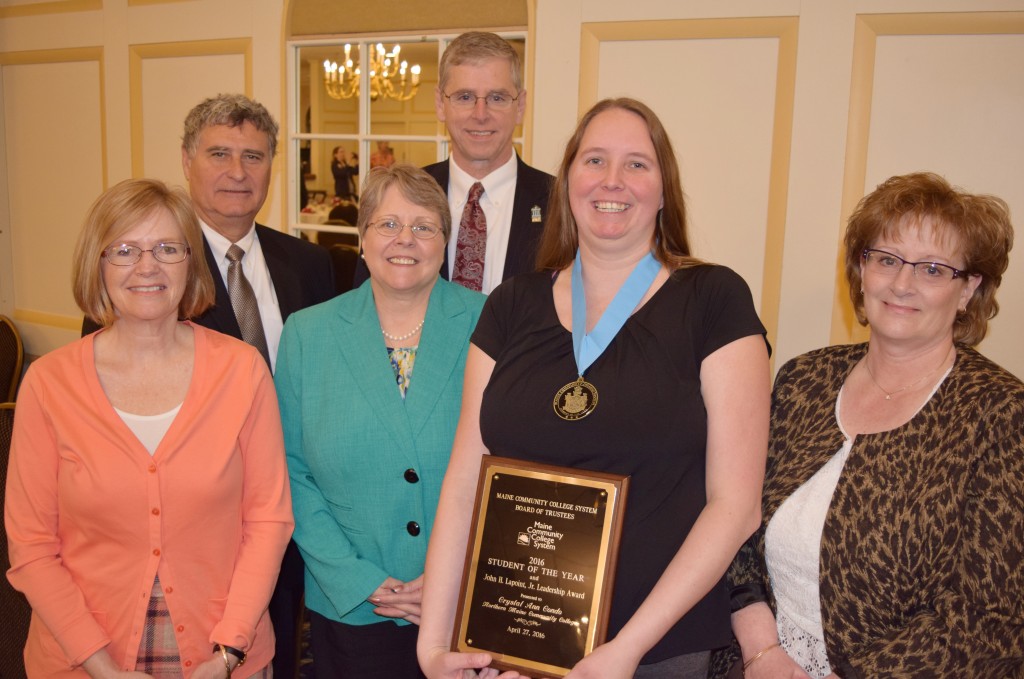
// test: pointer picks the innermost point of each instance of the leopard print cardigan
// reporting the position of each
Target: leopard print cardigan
(921, 553)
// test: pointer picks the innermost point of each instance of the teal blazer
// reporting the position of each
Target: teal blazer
(361, 515)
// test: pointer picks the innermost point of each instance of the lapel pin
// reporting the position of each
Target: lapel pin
(535, 214)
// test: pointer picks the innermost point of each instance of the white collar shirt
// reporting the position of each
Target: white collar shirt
(254, 266)
(496, 201)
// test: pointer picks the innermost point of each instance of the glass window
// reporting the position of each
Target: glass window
(355, 103)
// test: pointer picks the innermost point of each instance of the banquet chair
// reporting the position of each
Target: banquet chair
(347, 211)
(344, 259)
(12, 353)
(16, 611)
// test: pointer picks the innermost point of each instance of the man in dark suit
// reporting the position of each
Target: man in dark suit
(480, 98)
(226, 153)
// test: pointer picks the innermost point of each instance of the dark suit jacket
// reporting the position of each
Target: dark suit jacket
(301, 272)
(532, 189)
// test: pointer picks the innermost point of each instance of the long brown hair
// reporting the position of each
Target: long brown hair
(671, 244)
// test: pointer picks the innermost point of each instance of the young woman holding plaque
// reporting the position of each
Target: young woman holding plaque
(676, 351)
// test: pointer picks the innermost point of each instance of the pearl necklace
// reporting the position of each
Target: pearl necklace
(890, 394)
(399, 338)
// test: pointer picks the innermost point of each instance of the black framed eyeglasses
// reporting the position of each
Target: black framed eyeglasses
(887, 264)
(464, 99)
(126, 255)
(391, 228)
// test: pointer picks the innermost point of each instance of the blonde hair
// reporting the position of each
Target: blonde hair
(116, 211)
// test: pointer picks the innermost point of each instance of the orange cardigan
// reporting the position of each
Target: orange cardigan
(92, 518)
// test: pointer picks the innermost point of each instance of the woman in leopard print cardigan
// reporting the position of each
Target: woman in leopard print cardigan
(893, 527)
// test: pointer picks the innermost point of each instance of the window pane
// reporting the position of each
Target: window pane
(328, 101)
(346, 180)
(418, 153)
(316, 166)
(395, 110)
(394, 124)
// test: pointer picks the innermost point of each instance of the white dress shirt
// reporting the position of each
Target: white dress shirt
(254, 266)
(496, 202)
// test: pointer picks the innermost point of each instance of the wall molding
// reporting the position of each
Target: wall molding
(63, 56)
(56, 7)
(782, 28)
(869, 27)
(137, 54)
(59, 321)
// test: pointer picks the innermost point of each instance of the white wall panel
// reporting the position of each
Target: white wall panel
(716, 98)
(158, 60)
(170, 88)
(953, 104)
(55, 170)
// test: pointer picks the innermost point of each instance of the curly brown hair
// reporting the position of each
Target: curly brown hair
(977, 225)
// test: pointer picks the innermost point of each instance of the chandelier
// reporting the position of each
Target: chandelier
(390, 78)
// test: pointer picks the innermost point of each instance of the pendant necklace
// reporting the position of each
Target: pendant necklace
(399, 338)
(578, 398)
(890, 394)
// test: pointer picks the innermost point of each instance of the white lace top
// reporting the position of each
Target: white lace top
(792, 549)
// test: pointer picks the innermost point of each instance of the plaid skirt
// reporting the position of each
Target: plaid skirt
(158, 650)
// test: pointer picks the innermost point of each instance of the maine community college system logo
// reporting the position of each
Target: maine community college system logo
(539, 536)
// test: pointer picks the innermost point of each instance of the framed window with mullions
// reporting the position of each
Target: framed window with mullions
(338, 116)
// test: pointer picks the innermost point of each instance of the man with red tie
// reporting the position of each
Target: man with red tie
(480, 99)
(498, 202)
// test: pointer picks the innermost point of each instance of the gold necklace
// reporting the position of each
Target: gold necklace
(890, 394)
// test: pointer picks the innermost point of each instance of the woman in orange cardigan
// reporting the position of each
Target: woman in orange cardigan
(147, 497)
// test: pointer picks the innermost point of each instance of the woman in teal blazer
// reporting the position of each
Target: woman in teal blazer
(370, 385)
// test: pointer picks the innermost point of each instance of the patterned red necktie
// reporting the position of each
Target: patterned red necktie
(472, 243)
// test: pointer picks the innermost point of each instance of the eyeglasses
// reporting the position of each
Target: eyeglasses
(126, 255)
(887, 264)
(390, 228)
(465, 100)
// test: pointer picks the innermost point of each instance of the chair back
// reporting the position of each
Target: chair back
(16, 611)
(346, 211)
(329, 238)
(344, 258)
(12, 353)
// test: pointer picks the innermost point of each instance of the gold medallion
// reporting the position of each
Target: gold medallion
(575, 400)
